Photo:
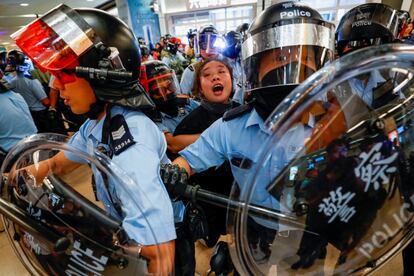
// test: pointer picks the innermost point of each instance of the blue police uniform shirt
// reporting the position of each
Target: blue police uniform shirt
(240, 139)
(187, 81)
(169, 123)
(365, 92)
(141, 161)
(16, 122)
(31, 90)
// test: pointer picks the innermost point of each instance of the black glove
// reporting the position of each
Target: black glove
(175, 180)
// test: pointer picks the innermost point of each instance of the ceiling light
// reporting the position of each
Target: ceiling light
(24, 4)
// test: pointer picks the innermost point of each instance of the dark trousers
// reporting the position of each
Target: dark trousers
(408, 258)
(46, 121)
(184, 252)
(41, 121)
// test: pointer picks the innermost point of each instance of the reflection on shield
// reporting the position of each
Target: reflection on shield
(56, 226)
(335, 177)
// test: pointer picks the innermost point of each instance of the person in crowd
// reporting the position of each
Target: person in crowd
(156, 52)
(117, 126)
(237, 136)
(3, 58)
(16, 122)
(145, 53)
(174, 59)
(163, 42)
(232, 52)
(215, 87)
(31, 90)
(189, 48)
(208, 44)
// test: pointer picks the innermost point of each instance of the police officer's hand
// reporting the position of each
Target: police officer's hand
(312, 247)
(175, 180)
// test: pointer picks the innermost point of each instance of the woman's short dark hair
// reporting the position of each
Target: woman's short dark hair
(197, 90)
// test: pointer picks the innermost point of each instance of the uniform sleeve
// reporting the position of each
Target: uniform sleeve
(78, 141)
(145, 202)
(38, 90)
(210, 148)
(187, 81)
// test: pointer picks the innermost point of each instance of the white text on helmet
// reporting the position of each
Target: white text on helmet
(361, 23)
(295, 13)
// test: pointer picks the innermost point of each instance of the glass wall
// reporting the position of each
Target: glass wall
(224, 19)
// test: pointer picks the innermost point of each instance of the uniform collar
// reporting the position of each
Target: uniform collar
(96, 129)
(254, 119)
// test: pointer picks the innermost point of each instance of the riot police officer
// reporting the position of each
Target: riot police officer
(208, 43)
(15, 119)
(174, 59)
(366, 25)
(274, 64)
(100, 80)
(233, 52)
(30, 89)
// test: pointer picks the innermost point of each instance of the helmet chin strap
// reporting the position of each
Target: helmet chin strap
(95, 110)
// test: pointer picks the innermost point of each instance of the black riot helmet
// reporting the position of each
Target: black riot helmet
(15, 57)
(285, 44)
(209, 40)
(366, 25)
(162, 85)
(233, 44)
(93, 45)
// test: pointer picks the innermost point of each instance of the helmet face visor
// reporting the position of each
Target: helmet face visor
(286, 54)
(159, 81)
(163, 87)
(210, 43)
(56, 40)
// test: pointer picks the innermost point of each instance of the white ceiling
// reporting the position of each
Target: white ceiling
(13, 16)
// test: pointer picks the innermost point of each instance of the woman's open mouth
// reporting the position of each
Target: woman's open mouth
(218, 89)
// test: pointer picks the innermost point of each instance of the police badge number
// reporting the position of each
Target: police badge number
(121, 138)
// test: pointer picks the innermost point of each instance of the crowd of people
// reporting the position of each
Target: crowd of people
(187, 108)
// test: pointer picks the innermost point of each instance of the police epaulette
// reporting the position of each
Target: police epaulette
(191, 67)
(237, 112)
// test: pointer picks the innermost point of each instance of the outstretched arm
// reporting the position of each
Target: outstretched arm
(179, 142)
(58, 164)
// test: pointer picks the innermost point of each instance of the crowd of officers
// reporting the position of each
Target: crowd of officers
(206, 109)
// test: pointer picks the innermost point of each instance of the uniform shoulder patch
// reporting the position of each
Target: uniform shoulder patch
(237, 112)
(120, 137)
(191, 67)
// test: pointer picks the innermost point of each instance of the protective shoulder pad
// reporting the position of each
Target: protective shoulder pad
(237, 112)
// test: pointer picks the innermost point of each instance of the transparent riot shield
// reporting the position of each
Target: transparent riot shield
(54, 222)
(332, 189)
